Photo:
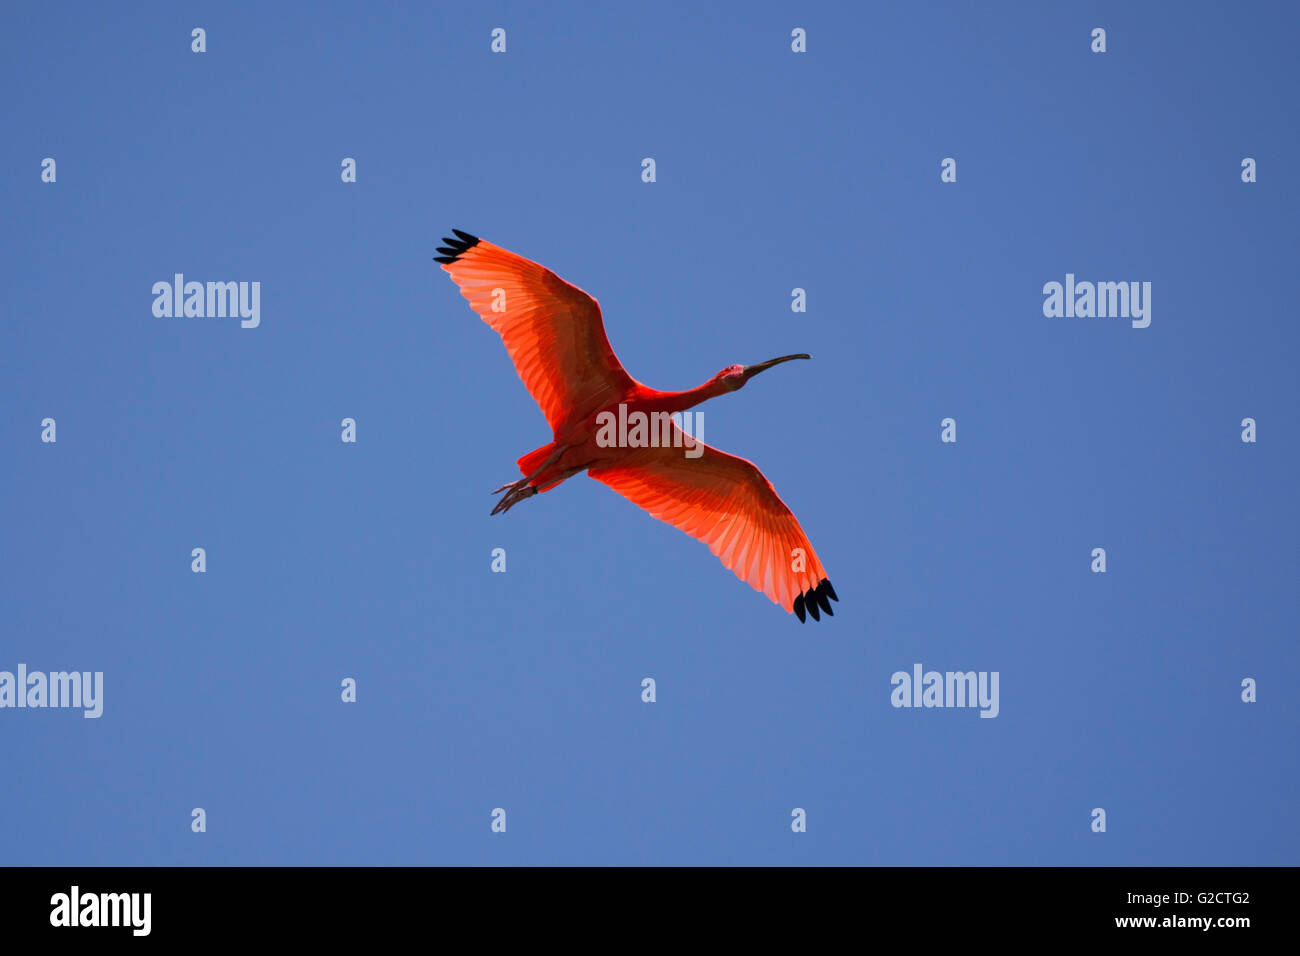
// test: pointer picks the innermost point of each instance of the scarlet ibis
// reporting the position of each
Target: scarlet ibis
(556, 339)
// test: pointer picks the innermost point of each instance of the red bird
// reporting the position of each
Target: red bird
(556, 338)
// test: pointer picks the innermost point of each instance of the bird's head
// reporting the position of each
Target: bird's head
(734, 377)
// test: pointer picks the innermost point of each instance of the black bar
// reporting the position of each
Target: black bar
(335, 905)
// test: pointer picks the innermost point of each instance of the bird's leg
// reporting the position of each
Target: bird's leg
(517, 491)
(512, 498)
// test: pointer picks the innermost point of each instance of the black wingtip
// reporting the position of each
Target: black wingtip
(815, 601)
(453, 249)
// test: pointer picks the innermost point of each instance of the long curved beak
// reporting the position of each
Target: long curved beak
(752, 370)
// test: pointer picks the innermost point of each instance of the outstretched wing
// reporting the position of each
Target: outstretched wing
(552, 330)
(727, 503)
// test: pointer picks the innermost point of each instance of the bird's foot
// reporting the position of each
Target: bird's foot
(517, 493)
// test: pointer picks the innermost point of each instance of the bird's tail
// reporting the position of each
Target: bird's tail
(535, 459)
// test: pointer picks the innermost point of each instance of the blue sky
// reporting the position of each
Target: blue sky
(521, 690)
